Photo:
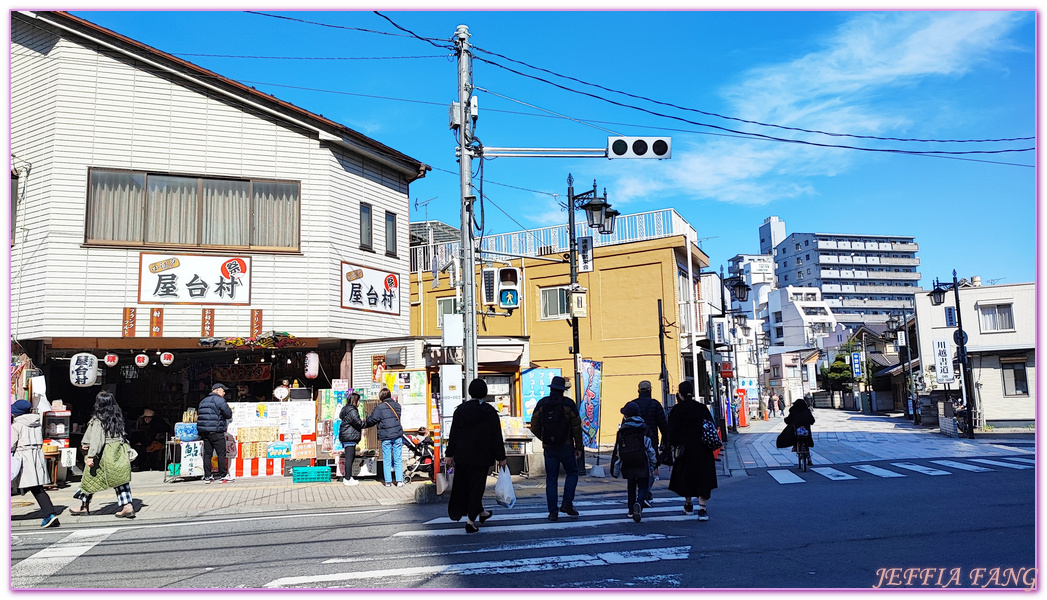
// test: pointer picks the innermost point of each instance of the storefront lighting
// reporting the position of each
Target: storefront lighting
(288, 360)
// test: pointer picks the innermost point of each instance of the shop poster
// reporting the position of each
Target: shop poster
(534, 385)
(589, 411)
(192, 459)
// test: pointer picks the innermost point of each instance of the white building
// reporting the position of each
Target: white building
(798, 317)
(772, 232)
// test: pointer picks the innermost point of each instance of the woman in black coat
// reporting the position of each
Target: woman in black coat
(694, 469)
(474, 444)
(349, 434)
(800, 416)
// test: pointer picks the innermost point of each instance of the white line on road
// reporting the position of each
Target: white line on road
(551, 542)
(50, 560)
(832, 473)
(1020, 459)
(513, 516)
(999, 463)
(920, 469)
(783, 476)
(879, 472)
(559, 525)
(516, 565)
(962, 466)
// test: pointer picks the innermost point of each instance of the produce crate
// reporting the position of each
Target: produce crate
(311, 474)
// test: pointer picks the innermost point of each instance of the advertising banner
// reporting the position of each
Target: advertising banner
(534, 385)
(370, 289)
(194, 279)
(589, 411)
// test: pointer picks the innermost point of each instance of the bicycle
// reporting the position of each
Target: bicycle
(803, 451)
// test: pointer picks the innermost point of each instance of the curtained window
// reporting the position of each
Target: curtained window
(997, 318)
(390, 234)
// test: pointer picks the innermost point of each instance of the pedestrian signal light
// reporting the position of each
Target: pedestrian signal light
(509, 288)
(639, 147)
(488, 286)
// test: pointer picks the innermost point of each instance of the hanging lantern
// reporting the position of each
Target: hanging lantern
(166, 358)
(141, 361)
(312, 365)
(111, 360)
(83, 369)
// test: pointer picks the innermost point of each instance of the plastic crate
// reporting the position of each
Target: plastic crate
(311, 474)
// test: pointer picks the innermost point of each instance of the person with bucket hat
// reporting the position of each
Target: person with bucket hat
(28, 466)
(211, 420)
(555, 421)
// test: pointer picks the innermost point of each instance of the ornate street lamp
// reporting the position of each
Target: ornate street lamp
(609, 217)
(937, 296)
(596, 209)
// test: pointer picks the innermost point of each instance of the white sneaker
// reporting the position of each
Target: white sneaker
(400, 484)
(349, 481)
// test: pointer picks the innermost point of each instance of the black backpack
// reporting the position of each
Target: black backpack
(556, 431)
(632, 452)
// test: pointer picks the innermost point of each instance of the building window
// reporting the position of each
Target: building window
(445, 306)
(777, 315)
(950, 316)
(1015, 381)
(787, 278)
(807, 242)
(366, 226)
(997, 317)
(555, 303)
(808, 271)
(775, 371)
(799, 260)
(807, 257)
(799, 274)
(139, 208)
(390, 234)
(779, 332)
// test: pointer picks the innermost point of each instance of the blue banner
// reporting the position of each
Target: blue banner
(534, 385)
(589, 411)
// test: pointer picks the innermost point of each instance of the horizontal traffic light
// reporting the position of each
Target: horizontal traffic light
(639, 147)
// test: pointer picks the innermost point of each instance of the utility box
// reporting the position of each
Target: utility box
(578, 309)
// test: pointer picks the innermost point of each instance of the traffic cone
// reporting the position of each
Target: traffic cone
(765, 418)
(743, 420)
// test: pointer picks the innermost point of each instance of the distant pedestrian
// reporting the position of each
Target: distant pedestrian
(653, 415)
(555, 421)
(694, 468)
(473, 445)
(28, 466)
(633, 458)
(349, 434)
(105, 430)
(211, 422)
(763, 408)
(391, 433)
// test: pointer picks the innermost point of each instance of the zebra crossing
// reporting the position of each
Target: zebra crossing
(902, 469)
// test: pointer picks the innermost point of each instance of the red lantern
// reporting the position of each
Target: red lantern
(111, 360)
(141, 361)
(166, 358)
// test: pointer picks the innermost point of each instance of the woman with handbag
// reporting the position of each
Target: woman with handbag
(28, 466)
(106, 457)
(390, 433)
(474, 443)
(694, 468)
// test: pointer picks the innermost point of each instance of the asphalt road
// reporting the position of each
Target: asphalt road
(843, 528)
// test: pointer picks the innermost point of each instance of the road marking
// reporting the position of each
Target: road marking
(879, 472)
(516, 565)
(52, 559)
(920, 469)
(783, 476)
(1020, 459)
(514, 516)
(832, 473)
(548, 525)
(959, 465)
(998, 463)
(547, 543)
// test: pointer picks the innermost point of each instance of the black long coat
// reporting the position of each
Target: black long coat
(475, 443)
(694, 470)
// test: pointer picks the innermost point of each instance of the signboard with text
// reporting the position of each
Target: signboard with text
(194, 279)
(943, 372)
(370, 289)
(585, 254)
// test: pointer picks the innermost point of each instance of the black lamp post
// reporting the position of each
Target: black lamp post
(937, 299)
(739, 291)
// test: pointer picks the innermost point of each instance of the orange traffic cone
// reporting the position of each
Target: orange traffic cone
(765, 418)
(743, 420)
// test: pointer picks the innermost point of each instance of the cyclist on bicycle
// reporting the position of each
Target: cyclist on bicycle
(801, 419)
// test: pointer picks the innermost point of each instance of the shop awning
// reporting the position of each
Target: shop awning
(499, 354)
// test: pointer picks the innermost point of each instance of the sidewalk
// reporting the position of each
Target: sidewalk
(847, 437)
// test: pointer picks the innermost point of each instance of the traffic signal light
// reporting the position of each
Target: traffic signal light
(639, 147)
(488, 286)
(509, 288)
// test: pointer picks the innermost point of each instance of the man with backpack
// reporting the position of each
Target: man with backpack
(653, 416)
(555, 421)
(633, 458)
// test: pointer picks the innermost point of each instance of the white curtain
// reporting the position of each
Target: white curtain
(274, 218)
(226, 213)
(171, 210)
(115, 209)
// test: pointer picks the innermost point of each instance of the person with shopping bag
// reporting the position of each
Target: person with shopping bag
(473, 445)
(107, 457)
(28, 466)
(693, 437)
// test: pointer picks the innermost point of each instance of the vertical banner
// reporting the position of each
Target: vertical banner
(534, 385)
(156, 322)
(585, 254)
(377, 367)
(130, 316)
(589, 411)
(256, 322)
(206, 322)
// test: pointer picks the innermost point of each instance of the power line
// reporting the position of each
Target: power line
(308, 57)
(428, 40)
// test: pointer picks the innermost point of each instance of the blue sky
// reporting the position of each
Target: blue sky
(930, 75)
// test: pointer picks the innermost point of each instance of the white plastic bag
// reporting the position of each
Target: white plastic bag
(503, 489)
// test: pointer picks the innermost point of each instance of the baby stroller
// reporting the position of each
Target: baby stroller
(420, 459)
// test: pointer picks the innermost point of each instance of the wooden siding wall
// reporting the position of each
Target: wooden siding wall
(75, 107)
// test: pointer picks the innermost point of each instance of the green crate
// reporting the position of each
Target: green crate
(311, 474)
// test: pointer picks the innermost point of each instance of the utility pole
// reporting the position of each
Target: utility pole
(465, 138)
(573, 251)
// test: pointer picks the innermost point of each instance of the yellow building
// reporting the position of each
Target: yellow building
(650, 257)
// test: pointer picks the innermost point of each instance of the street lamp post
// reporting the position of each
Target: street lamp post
(913, 405)
(739, 291)
(937, 299)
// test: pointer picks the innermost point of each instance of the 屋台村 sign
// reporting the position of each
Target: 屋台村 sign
(370, 289)
(194, 279)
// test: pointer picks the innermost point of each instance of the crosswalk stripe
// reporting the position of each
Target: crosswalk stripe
(962, 466)
(832, 473)
(52, 559)
(920, 469)
(998, 463)
(783, 476)
(516, 565)
(879, 472)
(568, 523)
(1020, 459)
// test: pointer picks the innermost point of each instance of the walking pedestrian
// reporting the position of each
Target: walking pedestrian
(694, 468)
(653, 416)
(633, 458)
(104, 438)
(349, 433)
(28, 466)
(555, 421)
(212, 416)
(390, 433)
(474, 444)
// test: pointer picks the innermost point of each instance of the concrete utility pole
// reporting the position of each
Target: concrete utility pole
(465, 138)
